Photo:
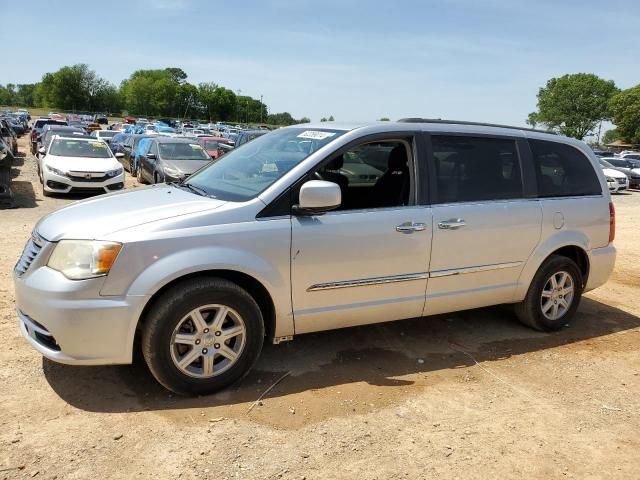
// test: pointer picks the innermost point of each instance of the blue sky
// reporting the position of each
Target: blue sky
(480, 60)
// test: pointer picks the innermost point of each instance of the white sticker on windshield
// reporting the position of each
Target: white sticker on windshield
(316, 135)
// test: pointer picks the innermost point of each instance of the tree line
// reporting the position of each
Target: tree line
(152, 93)
(575, 105)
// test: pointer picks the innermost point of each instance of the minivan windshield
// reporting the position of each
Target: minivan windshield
(247, 171)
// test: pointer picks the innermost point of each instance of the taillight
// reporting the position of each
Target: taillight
(612, 222)
(33, 135)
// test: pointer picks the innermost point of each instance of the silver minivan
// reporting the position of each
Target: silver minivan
(316, 227)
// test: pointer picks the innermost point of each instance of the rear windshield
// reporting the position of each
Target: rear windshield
(182, 151)
(107, 133)
(78, 148)
(42, 123)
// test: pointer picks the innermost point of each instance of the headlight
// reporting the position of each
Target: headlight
(81, 259)
(611, 180)
(56, 171)
(114, 173)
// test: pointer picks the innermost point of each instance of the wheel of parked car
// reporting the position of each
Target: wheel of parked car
(203, 335)
(139, 176)
(131, 168)
(553, 296)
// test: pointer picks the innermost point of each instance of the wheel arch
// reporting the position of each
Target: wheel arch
(253, 286)
(576, 248)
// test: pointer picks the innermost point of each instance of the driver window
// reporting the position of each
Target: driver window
(372, 175)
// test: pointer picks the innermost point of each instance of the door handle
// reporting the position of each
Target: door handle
(410, 227)
(451, 224)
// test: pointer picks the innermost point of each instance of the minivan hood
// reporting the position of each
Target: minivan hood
(99, 216)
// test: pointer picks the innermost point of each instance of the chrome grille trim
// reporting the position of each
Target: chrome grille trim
(29, 254)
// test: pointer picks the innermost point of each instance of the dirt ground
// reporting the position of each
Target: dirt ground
(468, 395)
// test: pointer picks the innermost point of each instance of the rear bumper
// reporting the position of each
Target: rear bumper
(601, 263)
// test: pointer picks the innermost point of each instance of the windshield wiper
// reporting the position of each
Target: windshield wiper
(193, 188)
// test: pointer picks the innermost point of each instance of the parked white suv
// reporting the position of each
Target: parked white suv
(316, 227)
(79, 164)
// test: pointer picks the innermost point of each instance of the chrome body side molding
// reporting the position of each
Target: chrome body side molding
(409, 277)
(368, 281)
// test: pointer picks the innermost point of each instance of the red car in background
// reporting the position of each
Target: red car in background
(212, 145)
(130, 120)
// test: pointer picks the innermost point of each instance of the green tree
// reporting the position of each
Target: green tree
(24, 95)
(574, 104)
(331, 119)
(305, 120)
(383, 119)
(625, 109)
(323, 119)
(610, 136)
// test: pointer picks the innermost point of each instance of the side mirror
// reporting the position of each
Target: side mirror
(151, 156)
(318, 197)
(119, 155)
(42, 150)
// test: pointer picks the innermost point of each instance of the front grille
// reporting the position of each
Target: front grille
(82, 177)
(29, 254)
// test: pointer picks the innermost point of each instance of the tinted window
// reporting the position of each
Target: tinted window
(562, 170)
(476, 168)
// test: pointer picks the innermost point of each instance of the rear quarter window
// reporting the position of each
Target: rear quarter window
(562, 170)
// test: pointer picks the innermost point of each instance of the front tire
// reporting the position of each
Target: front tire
(139, 176)
(553, 296)
(202, 336)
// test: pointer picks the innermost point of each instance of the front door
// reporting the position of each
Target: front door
(368, 261)
(483, 228)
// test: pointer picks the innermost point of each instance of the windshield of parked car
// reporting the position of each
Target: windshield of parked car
(606, 164)
(63, 147)
(182, 151)
(247, 171)
(106, 133)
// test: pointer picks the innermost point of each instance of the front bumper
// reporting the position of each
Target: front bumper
(60, 184)
(69, 322)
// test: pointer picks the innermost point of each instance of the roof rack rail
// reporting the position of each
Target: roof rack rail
(462, 122)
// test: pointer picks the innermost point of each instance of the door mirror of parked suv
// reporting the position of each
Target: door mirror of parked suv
(42, 150)
(318, 197)
(119, 155)
(151, 156)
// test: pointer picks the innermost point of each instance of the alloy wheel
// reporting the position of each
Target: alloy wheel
(208, 341)
(557, 295)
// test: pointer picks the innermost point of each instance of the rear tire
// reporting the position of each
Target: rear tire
(208, 356)
(553, 296)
